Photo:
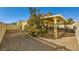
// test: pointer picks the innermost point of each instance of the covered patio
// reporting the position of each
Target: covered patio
(56, 22)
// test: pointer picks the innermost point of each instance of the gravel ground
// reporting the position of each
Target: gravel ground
(18, 40)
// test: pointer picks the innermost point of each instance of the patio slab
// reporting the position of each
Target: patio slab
(68, 42)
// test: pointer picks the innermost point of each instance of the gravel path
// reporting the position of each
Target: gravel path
(18, 40)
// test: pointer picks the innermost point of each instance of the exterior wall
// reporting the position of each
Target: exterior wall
(77, 32)
(2, 31)
(9, 27)
(21, 25)
(69, 26)
(61, 26)
(4, 27)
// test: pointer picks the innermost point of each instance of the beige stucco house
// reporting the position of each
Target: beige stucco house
(49, 20)
(22, 24)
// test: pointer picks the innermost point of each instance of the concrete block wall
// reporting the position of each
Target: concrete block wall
(2, 31)
(4, 27)
(9, 27)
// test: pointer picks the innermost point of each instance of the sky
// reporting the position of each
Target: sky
(14, 14)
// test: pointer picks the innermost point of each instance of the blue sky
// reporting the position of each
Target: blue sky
(14, 14)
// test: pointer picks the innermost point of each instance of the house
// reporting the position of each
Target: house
(49, 20)
(22, 24)
(55, 21)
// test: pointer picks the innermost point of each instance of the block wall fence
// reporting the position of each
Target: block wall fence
(4, 27)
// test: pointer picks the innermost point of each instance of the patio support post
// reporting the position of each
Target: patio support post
(55, 28)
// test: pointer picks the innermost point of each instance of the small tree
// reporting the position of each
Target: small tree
(69, 21)
(36, 24)
(35, 20)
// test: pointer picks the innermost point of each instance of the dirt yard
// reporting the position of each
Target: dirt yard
(18, 40)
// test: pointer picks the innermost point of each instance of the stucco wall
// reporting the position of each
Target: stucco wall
(9, 27)
(2, 31)
(69, 26)
(4, 27)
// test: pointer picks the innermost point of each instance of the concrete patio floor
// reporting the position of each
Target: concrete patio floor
(68, 42)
